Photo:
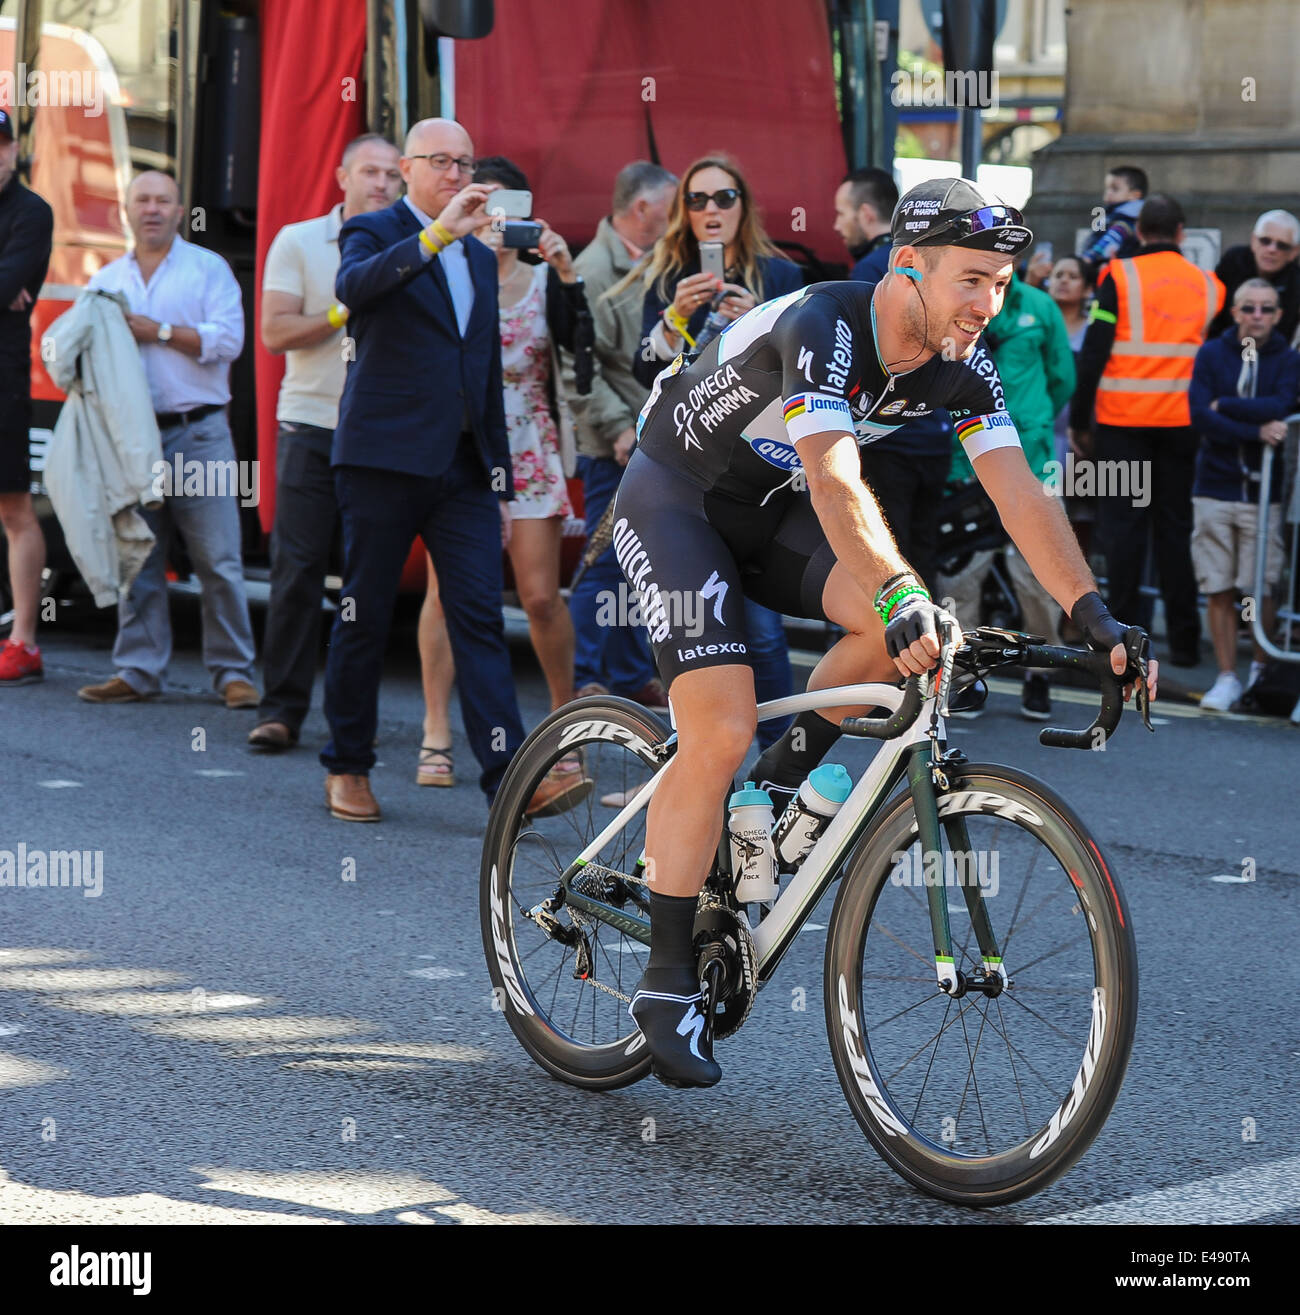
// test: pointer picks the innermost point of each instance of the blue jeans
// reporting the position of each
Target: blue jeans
(769, 655)
(617, 657)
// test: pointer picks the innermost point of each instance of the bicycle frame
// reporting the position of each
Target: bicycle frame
(907, 755)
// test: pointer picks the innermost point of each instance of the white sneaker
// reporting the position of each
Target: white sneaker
(1225, 691)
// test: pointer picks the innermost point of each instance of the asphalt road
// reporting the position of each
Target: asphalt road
(233, 1031)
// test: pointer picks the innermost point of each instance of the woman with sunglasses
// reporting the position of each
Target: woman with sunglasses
(713, 205)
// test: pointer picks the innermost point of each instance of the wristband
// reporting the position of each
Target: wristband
(337, 315)
(889, 606)
(433, 243)
(894, 581)
(677, 323)
(442, 233)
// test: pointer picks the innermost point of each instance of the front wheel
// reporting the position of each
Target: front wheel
(985, 1098)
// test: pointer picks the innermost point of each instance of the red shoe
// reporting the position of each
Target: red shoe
(20, 665)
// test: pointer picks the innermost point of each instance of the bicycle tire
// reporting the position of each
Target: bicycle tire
(603, 727)
(867, 978)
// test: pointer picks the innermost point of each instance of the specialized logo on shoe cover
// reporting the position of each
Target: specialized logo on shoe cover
(692, 1023)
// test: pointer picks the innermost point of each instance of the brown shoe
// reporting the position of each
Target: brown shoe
(349, 798)
(565, 786)
(590, 690)
(272, 736)
(240, 694)
(111, 691)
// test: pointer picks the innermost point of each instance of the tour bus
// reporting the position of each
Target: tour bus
(248, 102)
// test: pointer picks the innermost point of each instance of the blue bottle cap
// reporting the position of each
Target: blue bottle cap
(749, 795)
(832, 782)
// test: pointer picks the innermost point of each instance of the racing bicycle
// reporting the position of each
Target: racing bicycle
(980, 968)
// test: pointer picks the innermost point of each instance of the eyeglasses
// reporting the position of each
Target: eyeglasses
(442, 163)
(1275, 242)
(1249, 308)
(723, 199)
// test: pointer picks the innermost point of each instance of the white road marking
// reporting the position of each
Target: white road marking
(216, 771)
(60, 785)
(434, 974)
(1231, 878)
(1226, 1198)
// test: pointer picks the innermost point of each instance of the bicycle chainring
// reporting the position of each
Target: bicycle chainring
(722, 932)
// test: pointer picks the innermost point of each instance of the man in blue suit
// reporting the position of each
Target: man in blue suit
(421, 449)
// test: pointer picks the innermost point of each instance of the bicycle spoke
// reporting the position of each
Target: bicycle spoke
(1024, 1109)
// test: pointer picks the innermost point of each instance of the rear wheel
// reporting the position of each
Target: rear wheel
(562, 976)
(982, 1098)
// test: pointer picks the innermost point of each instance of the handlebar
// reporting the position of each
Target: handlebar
(988, 647)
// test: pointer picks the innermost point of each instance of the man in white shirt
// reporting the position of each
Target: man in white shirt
(302, 319)
(187, 316)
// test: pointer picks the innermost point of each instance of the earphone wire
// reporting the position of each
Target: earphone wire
(925, 331)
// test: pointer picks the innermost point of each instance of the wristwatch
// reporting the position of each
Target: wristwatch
(164, 332)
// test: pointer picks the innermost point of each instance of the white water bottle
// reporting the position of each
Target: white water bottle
(805, 818)
(753, 861)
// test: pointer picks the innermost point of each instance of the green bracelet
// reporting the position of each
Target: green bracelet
(886, 609)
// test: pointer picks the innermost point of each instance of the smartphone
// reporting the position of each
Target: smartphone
(1043, 249)
(521, 233)
(711, 259)
(510, 203)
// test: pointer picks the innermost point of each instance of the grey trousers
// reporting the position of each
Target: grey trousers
(209, 524)
(1039, 609)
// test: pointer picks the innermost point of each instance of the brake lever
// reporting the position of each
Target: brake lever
(1137, 643)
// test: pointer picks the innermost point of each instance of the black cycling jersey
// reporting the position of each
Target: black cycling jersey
(802, 364)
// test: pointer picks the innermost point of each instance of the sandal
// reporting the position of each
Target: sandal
(435, 766)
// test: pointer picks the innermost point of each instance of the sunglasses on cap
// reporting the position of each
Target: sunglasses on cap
(977, 221)
(724, 199)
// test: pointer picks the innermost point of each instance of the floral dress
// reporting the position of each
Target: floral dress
(540, 489)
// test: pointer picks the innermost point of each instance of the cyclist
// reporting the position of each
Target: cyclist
(746, 480)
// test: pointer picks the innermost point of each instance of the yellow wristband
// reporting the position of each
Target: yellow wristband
(442, 233)
(677, 323)
(431, 244)
(337, 315)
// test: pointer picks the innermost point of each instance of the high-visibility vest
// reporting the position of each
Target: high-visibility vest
(1165, 307)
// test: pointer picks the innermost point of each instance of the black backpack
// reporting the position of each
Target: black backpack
(1276, 692)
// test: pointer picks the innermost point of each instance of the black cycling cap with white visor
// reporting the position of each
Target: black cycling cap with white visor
(958, 212)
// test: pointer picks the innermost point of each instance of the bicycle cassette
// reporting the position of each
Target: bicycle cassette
(722, 933)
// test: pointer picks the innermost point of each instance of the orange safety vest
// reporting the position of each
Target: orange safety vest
(1165, 307)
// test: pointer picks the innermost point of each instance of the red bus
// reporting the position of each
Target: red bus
(249, 102)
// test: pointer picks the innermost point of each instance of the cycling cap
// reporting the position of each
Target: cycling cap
(957, 212)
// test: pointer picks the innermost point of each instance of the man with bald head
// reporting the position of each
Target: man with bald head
(421, 450)
(188, 319)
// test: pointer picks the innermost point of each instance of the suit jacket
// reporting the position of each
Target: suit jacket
(415, 384)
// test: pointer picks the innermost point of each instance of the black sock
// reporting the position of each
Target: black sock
(672, 927)
(787, 766)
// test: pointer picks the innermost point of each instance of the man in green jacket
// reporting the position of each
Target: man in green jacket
(614, 657)
(1031, 348)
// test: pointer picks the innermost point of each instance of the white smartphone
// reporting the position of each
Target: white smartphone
(510, 203)
(712, 260)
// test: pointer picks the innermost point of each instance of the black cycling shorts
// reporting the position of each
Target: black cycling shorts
(15, 431)
(691, 557)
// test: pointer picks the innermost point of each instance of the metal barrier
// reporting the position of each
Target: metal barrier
(1288, 612)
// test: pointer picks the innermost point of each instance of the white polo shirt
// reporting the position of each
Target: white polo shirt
(304, 261)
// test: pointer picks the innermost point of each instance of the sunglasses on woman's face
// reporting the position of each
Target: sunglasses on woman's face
(723, 199)
(1274, 242)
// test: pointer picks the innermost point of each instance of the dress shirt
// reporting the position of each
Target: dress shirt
(455, 265)
(194, 287)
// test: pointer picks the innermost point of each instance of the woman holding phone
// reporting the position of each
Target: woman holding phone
(714, 205)
(539, 307)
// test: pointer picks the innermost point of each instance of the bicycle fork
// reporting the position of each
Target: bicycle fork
(991, 980)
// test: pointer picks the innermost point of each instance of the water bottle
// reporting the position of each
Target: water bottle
(713, 326)
(749, 827)
(805, 818)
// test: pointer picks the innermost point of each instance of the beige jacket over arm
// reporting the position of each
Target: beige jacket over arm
(106, 455)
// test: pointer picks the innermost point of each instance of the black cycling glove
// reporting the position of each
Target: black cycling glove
(914, 617)
(1100, 629)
